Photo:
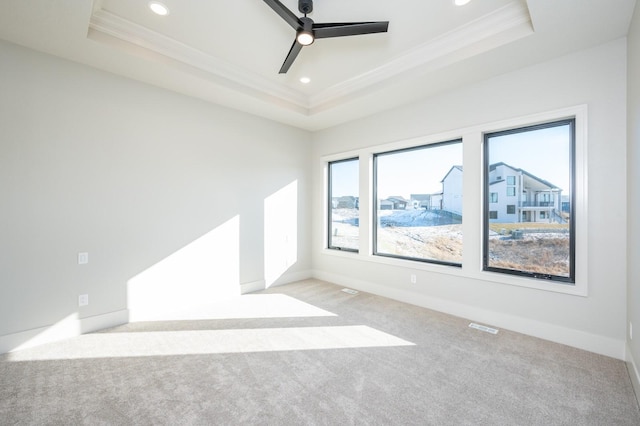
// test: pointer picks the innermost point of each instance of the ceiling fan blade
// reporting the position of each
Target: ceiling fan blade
(293, 53)
(349, 29)
(285, 14)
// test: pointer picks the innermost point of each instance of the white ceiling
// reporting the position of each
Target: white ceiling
(229, 51)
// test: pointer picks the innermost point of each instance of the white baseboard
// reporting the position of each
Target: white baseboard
(252, 286)
(291, 277)
(286, 278)
(633, 373)
(566, 336)
(66, 328)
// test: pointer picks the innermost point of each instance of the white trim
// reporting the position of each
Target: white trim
(252, 286)
(576, 338)
(291, 277)
(115, 26)
(632, 367)
(503, 26)
(66, 328)
(500, 27)
(472, 225)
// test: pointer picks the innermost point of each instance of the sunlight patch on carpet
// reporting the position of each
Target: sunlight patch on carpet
(167, 343)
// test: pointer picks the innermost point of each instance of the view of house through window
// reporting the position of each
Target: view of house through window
(344, 212)
(418, 193)
(529, 201)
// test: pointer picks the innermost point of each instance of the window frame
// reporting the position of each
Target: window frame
(472, 138)
(571, 279)
(374, 199)
(329, 205)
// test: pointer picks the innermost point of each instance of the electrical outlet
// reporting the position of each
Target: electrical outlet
(83, 300)
(83, 258)
(413, 278)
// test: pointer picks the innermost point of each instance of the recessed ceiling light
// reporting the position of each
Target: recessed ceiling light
(158, 8)
(305, 80)
(461, 2)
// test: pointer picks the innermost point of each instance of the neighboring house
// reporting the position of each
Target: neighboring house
(515, 195)
(386, 205)
(345, 202)
(399, 203)
(566, 203)
(436, 201)
(452, 191)
(420, 201)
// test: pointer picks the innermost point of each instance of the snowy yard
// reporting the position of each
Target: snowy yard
(424, 234)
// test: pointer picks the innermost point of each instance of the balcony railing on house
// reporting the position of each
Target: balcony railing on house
(537, 204)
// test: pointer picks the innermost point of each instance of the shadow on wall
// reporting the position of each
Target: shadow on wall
(205, 271)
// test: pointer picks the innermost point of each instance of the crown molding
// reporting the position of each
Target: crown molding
(113, 25)
(495, 29)
(505, 25)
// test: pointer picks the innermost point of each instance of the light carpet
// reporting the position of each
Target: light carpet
(309, 354)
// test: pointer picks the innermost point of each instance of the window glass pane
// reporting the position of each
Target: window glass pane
(537, 240)
(418, 210)
(344, 204)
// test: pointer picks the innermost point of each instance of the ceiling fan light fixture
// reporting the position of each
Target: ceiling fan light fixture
(158, 8)
(305, 38)
(305, 34)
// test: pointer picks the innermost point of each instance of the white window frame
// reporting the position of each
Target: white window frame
(473, 165)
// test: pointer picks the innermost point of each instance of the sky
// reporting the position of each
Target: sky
(544, 153)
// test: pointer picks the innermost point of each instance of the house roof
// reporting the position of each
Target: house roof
(519, 170)
(450, 170)
(420, 197)
(524, 172)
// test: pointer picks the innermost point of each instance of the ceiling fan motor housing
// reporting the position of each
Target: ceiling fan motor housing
(305, 6)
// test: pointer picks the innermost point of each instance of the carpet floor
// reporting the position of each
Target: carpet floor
(309, 354)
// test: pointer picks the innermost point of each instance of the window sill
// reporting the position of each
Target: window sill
(467, 272)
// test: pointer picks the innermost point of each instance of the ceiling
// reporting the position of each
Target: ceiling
(228, 52)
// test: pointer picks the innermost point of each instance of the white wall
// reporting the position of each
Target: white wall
(633, 178)
(136, 176)
(595, 77)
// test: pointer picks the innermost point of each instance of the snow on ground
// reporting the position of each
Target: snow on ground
(428, 234)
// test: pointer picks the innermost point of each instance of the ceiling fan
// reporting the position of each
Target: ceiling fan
(307, 30)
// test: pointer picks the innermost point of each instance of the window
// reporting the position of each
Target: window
(493, 197)
(344, 205)
(538, 242)
(511, 180)
(511, 191)
(418, 203)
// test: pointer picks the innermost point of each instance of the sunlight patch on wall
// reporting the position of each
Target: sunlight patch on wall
(167, 343)
(204, 271)
(280, 232)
